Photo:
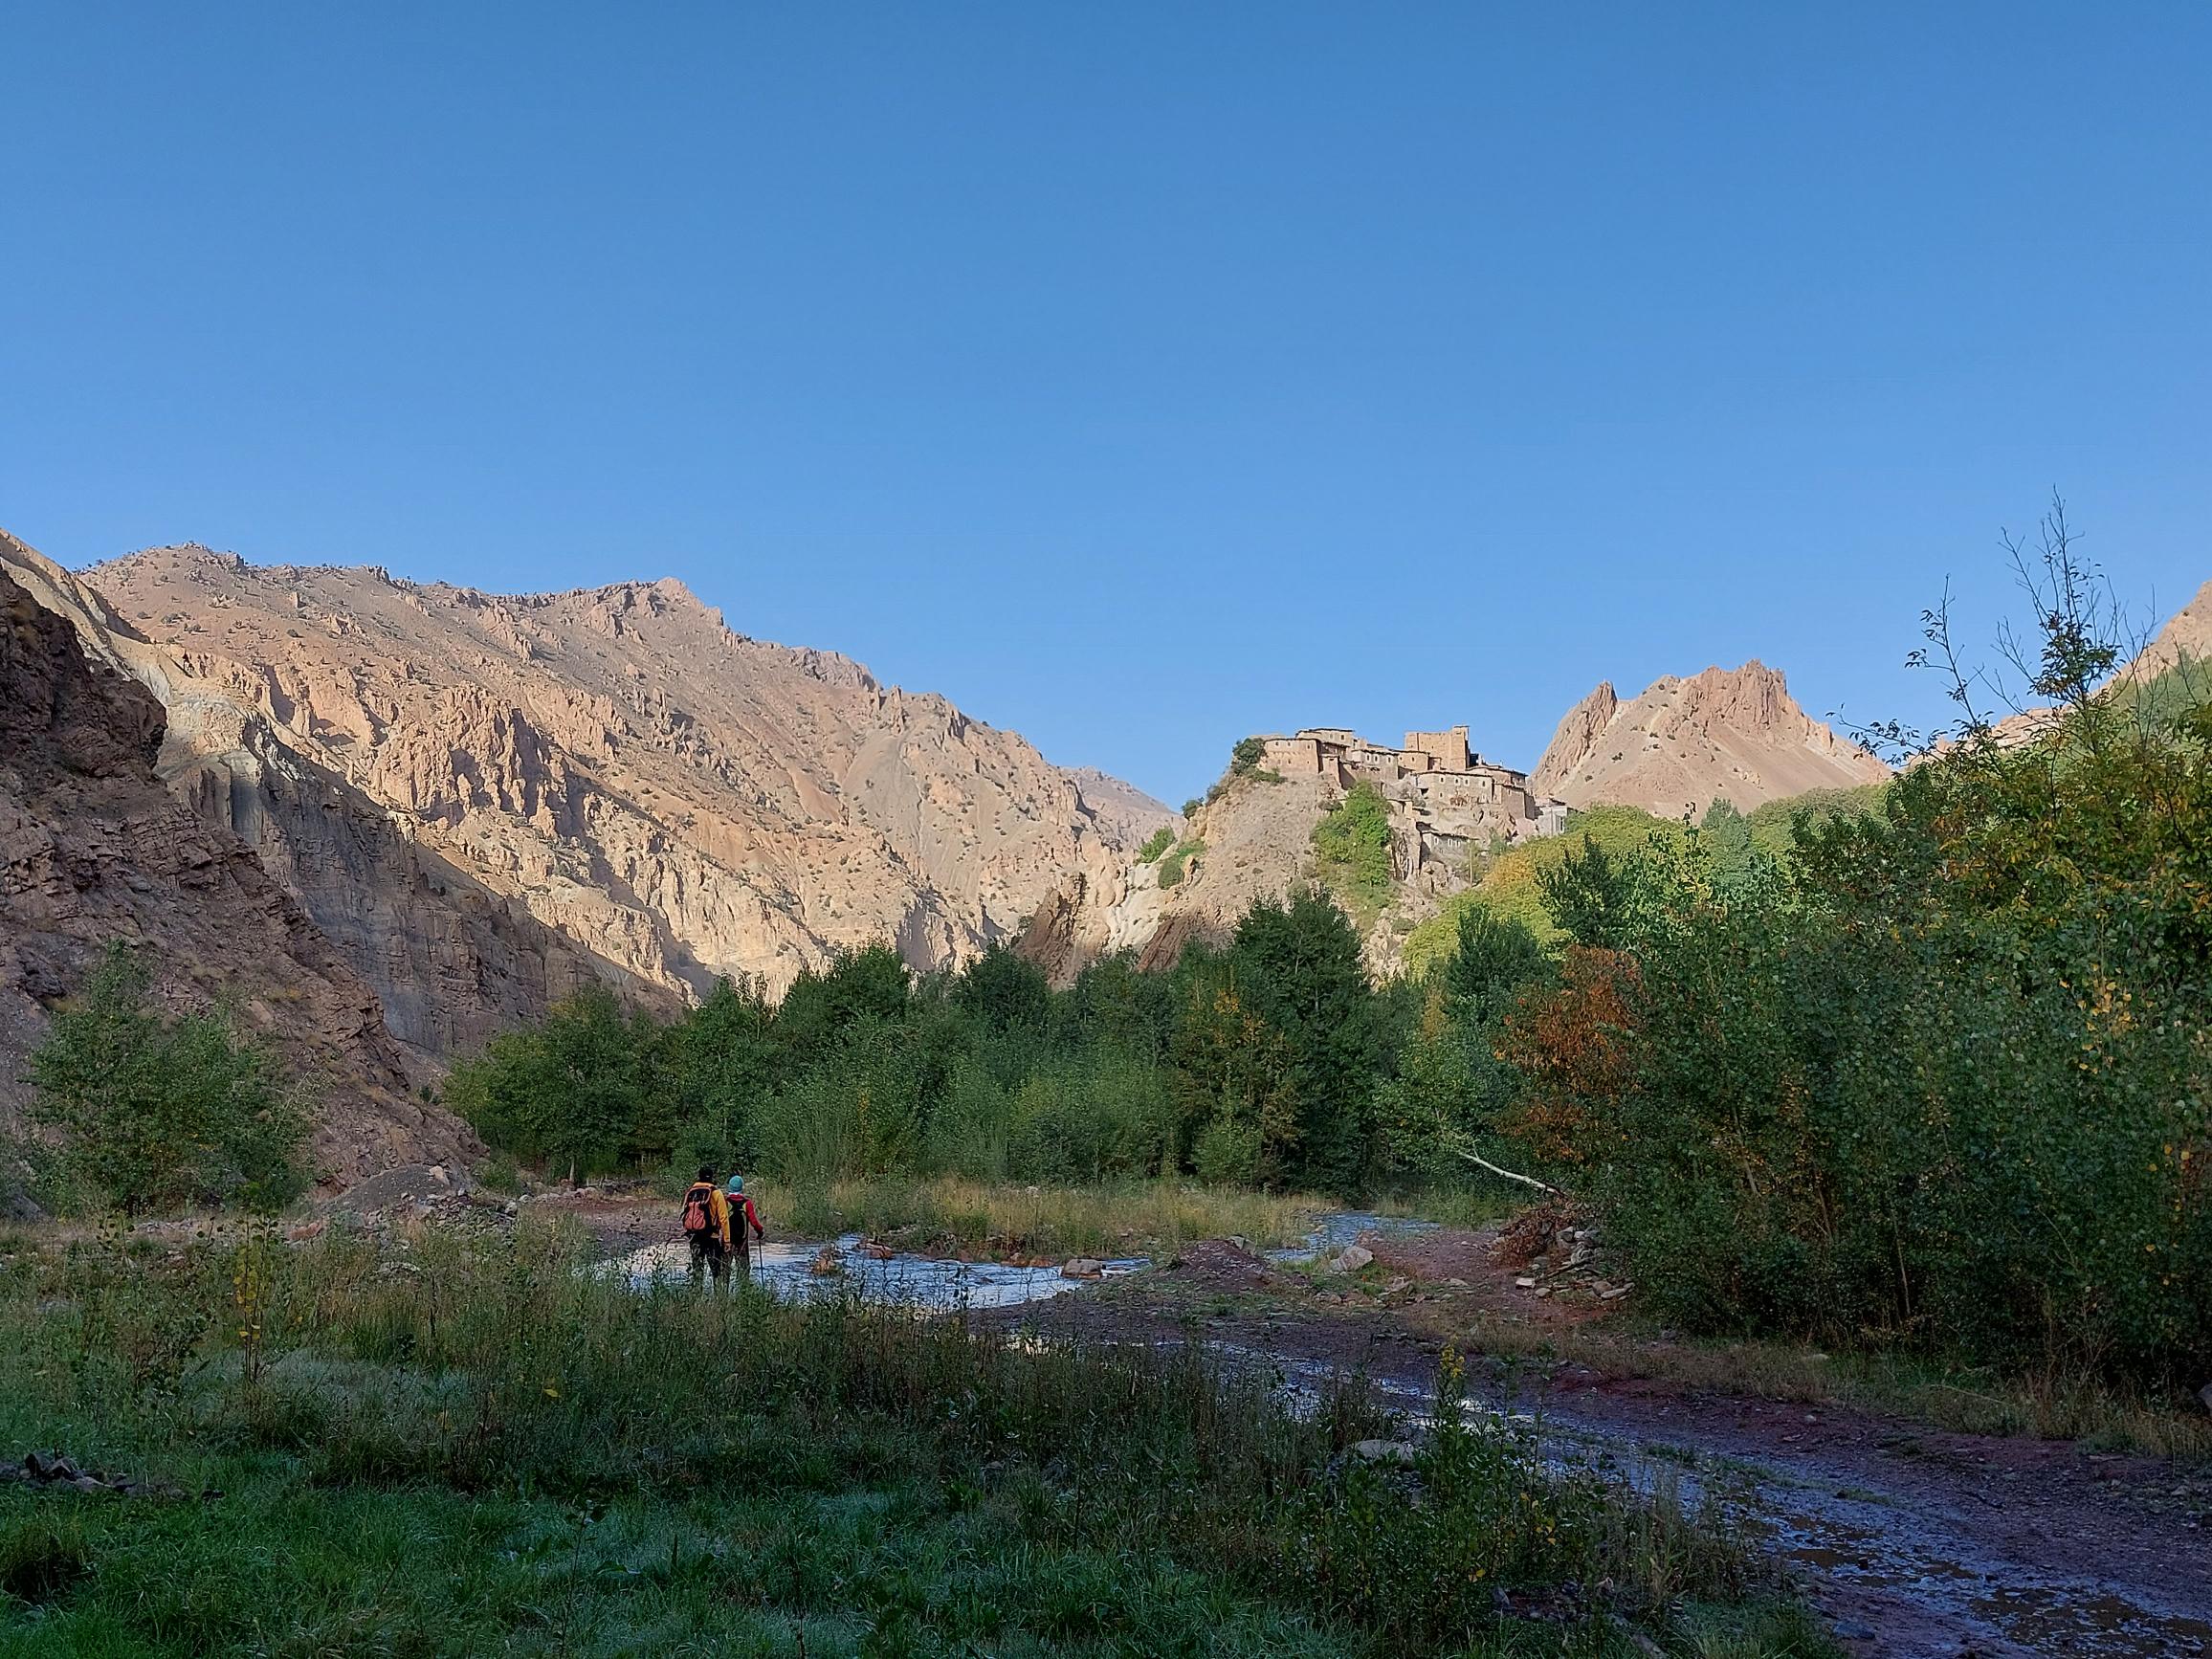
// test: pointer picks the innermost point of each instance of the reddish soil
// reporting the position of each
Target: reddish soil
(1913, 1540)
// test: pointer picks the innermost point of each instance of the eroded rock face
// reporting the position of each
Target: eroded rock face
(2186, 636)
(1732, 734)
(93, 848)
(670, 800)
(451, 961)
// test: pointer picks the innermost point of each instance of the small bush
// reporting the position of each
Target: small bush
(1177, 864)
(1155, 843)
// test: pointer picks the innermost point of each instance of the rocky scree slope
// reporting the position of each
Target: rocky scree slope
(93, 848)
(669, 798)
(1728, 734)
(452, 962)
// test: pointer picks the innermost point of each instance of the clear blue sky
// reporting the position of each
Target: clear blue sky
(1138, 375)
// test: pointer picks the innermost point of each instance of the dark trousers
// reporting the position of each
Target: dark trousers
(708, 1256)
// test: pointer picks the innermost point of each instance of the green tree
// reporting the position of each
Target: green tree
(871, 983)
(158, 1112)
(1496, 958)
(1296, 965)
(1591, 896)
(1352, 849)
(1724, 836)
(581, 1092)
(1004, 991)
(720, 1060)
(1235, 1090)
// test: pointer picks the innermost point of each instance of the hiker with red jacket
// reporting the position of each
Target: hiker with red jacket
(742, 1215)
(706, 1224)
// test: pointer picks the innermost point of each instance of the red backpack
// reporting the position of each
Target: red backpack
(698, 1208)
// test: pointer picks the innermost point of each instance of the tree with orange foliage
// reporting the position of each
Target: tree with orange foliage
(1571, 1045)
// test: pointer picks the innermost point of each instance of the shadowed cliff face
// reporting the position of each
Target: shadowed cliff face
(92, 847)
(451, 961)
(665, 799)
(1732, 734)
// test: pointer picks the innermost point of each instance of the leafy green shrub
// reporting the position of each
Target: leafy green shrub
(157, 1113)
(1155, 843)
(1177, 863)
(1352, 849)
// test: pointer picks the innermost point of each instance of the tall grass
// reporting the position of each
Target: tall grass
(456, 1445)
(1112, 1219)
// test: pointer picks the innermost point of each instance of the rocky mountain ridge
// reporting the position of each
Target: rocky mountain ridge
(94, 848)
(1733, 734)
(2186, 636)
(659, 798)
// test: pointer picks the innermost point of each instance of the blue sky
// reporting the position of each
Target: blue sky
(1138, 375)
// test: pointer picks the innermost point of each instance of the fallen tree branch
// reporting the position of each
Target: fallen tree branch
(1525, 1180)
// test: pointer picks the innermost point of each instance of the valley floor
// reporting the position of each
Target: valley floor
(1912, 1540)
(430, 1474)
(1912, 1534)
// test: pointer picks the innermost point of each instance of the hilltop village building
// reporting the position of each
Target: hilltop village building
(1446, 802)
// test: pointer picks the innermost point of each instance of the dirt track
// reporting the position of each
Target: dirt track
(1914, 1541)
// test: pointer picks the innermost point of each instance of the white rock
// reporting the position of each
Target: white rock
(1384, 1451)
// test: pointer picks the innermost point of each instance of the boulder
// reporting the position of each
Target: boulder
(1351, 1259)
(1083, 1267)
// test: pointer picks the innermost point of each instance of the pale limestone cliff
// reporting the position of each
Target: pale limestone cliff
(93, 848)
(1723, 734)
(668, 797)
(451, 961)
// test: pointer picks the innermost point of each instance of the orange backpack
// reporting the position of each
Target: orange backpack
(698, 1208)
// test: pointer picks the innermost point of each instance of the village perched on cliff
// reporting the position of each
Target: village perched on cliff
(1446, 802)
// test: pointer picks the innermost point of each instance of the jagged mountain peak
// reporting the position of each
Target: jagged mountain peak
(1734, 734)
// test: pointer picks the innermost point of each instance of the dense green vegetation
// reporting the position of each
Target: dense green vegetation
(1176, 863)
(447, 1446)
(151, 1112)
(1155, 843)
(1934, 1075)
(1939, 1078)
(1253, 1063)
(1352, 851)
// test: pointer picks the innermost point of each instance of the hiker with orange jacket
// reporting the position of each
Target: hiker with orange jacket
(742, 1216)
(706, 1224)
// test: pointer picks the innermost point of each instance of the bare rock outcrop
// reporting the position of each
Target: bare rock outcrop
(451, 960)
(669, 800)
(2186, 636)
(94, 848)
(1732, 734)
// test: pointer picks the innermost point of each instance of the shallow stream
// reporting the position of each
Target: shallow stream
(909, 1280)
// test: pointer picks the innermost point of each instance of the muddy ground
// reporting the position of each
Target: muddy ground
(1913, 1540)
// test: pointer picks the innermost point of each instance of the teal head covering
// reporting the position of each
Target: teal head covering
(736, 1184)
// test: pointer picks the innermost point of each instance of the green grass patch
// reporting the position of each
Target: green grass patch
(442, 1445)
